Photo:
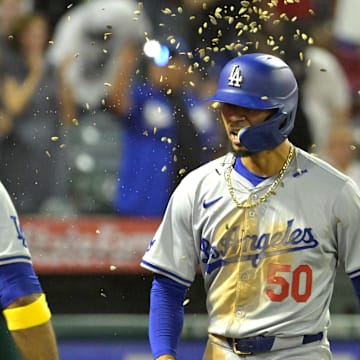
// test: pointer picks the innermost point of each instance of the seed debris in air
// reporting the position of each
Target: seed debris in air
(241, 18)
(113, 267)
(75, 121)
(164, 168)
(217, 13)
(311, 12)
(106, 35)
(213, 20)
(167, 11)
(47, 153)
(186, 301)
(284, 16)
(54, 138)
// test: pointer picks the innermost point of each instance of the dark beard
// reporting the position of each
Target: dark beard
(242, 153)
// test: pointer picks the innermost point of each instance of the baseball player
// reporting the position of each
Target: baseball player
(22, 300)
(268, 224)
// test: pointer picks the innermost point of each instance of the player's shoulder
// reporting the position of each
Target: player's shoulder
(6, 203)
(320, 168)
(207, 174)
(210, 169)
(201, 180)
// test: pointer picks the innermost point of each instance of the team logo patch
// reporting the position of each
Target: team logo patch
(235, 78)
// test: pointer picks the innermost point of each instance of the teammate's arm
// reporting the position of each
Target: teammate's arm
(166, 316)
(28, 320)
(26, 312)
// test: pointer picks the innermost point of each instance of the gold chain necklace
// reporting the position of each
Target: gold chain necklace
(248, 205)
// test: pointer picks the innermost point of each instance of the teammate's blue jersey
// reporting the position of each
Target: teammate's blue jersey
(17, 276)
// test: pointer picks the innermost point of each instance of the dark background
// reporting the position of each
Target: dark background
(101, 294)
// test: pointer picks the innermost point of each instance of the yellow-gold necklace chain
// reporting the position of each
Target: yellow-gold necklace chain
(246, 204)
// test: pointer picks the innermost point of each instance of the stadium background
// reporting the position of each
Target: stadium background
(99, 296)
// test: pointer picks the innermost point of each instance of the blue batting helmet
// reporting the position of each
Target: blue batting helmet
(260, 81)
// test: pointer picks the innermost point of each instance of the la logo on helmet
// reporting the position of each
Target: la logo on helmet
(235, 78)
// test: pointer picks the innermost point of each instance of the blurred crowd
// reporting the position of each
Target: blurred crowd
(90, 122)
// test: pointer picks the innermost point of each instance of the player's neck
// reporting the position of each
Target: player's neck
(269, 162)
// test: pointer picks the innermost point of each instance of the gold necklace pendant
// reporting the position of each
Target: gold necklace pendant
(246, 204)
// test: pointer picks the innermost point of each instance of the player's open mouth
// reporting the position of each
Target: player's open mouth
(234, 136)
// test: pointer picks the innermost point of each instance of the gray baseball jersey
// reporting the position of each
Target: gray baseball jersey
(13, 247)
(268, 270)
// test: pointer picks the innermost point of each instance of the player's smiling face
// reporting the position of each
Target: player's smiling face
(236, 118)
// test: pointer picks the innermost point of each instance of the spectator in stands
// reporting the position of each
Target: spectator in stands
(346, 32)
(341, 150)
(94, 43)
(326, 90)
(30, 98)
(167, 132)
(88, 44)
(10, 11)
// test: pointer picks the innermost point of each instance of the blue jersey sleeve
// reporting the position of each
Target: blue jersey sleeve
(166, 315)
(17, 280)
